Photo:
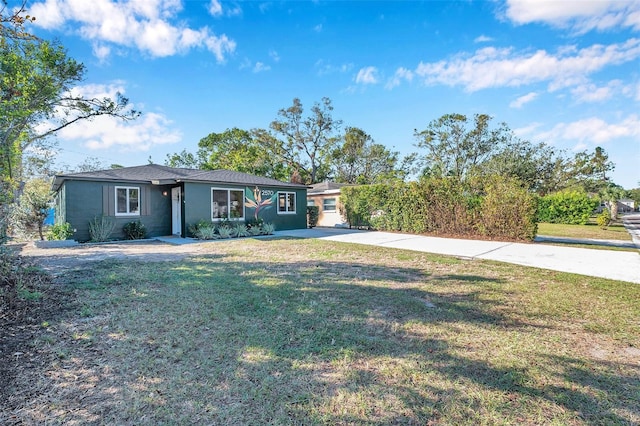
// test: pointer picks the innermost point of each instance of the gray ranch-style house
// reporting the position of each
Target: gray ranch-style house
(169, 200)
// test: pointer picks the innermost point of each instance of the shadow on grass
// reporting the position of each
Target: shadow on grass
(218, 341)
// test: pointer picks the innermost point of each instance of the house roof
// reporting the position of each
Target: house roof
(319, 188)
(157, 174)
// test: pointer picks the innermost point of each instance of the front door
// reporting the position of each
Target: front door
(176, 211)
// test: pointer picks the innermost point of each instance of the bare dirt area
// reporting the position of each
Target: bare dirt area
(59, 260)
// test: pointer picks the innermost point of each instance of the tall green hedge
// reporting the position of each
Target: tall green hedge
(570, 207)
(496, 207)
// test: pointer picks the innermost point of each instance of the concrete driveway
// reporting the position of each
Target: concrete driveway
(617, 265)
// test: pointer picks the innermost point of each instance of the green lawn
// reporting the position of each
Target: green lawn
(614, 232)
(288, 331)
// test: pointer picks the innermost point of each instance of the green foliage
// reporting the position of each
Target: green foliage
(225, 232)
(358, 160)
(268, 228)
(507, 210)
(60, 231)
(134, 230)
(313, 214)
(30, 212)
(360, 204)
(455, 146)
(241, 230)
(254, 231)
(604, 219)
(101, 228)
(497, 207)
(16, 280)
(206, 230)
(634, 194)
(303, 142)
(569, 207)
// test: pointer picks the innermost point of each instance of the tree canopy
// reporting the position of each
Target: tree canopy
(233, 149)
(359, 160)
(304, 143)
(36, 97)
(455, 146)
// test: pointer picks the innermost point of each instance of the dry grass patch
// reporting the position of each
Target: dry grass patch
(286, 331)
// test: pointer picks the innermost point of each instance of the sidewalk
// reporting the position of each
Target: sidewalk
(632, 224)
(617, 265)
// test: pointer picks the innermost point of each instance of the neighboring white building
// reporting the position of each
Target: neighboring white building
(626, 205)
(326, 196)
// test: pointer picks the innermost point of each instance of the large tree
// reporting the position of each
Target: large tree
(456, 145)
(233, 149)
(591, 170)
(359, 160)
(36, 100)
(540, 167)
(303, 143)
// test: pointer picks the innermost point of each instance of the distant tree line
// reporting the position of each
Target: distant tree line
(313, 147)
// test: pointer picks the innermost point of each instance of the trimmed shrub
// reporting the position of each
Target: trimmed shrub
(495, 207)
(60, 231)
(507, 210)
(569, 207)
(134, 230)
(359, 204)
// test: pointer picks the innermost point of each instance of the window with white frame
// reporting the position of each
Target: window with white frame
(127, 201)
(227, 204)
(286, 202)
(310, 202)
(329, 205)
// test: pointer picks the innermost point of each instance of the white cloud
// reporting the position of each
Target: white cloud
(274, 56)
(482, 39)
(518, 103)
(492, 67)
(400, 75)
(632, 91)
(260, 67)
(593, 130)
(101, 51)
(150, 26)
(591, 93)
(367, 75)
(318, 28)
(108, 132)
(105, 132)
(581, 16)
(215, 8)
(524, 132)
(327, 68)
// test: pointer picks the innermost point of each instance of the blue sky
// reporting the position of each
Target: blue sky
(562, 72)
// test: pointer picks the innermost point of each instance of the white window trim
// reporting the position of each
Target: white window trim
(221, 219)
(335, 205)
(287, 204)
(128, 188)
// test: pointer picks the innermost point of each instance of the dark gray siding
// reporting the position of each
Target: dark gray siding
(85, 200)
(197, 206)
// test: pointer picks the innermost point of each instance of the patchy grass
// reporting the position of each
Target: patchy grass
(287, 331)
(592, 231)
